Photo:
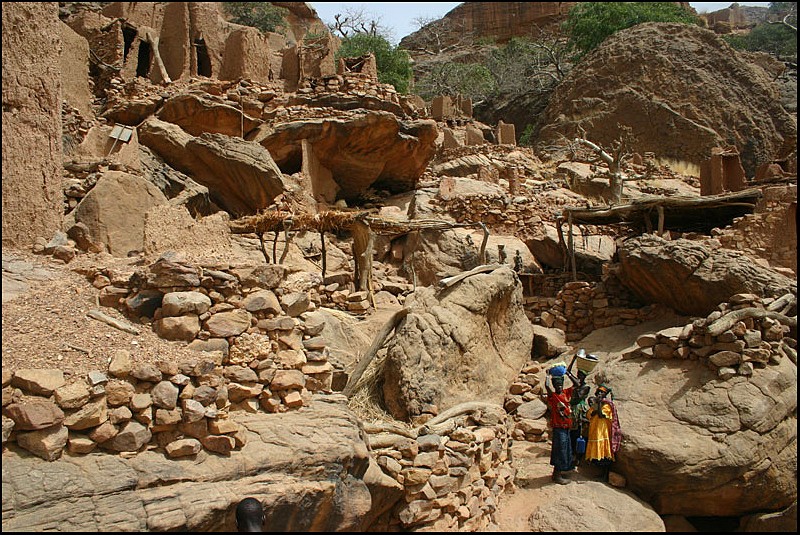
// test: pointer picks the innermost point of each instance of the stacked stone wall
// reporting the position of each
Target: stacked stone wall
(452, 478)
(739, 338)
(581, 307)
(770, 232)
(348, 83)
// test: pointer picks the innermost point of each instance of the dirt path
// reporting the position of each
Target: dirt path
(534, 489)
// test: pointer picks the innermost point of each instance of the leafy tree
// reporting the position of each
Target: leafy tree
(776, 39)
(589, 23)
(394, 63)
(261, 15)
(468, 79)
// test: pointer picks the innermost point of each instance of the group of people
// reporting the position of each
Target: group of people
(583, 427)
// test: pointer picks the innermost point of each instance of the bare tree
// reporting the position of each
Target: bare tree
(615, 157)
(353, 21)
(789, 17)
(435, 36)
(530, 64)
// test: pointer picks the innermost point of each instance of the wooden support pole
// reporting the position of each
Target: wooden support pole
(324, 257)
(482, 253)
(363, 245)
(660, 220)
(571, 246)
(263, 247)
(561, 244)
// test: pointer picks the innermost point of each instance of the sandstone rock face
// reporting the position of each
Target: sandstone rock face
(466, 343)
(690, 439)
(498, 20)
(241, 176)
(31, 122)
(198, 113)
(434, 252)
(307, 467)
(627, 510)
(368, 148)
(681, 89)
(114, 211)
(693, 278)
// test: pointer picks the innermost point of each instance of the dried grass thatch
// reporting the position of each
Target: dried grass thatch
(367, 399)
(334, 221)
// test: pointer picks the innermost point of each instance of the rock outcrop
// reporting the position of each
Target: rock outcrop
(681, 89)
(310, 462)
(362, 150)
(240, 175)
(465, 343)
(690, 438)
(693, 278)
(499, 21)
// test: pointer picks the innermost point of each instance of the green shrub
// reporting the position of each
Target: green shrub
(527, 134)
(775, 39)
(261, 15)
(589, 23)
(467, 79)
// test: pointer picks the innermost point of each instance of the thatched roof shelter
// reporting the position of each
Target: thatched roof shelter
(681, 214)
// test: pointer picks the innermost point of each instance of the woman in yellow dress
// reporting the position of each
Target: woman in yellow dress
(604, 436)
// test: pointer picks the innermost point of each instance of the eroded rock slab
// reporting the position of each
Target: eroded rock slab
(690, 439)
(306, 466)
(691, 277)
(463, 344)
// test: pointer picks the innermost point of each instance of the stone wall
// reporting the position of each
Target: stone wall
(743, 336)
(31, 122)
(770, 232)
(581, 307)
(451, 478)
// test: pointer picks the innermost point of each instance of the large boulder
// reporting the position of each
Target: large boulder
(197, 113)
(307, 468)
(115, 210)
(240, 175)
(465, 343)
(692, 277)
(562, 509)
(365, 149)
(681, 89)
(697, 445)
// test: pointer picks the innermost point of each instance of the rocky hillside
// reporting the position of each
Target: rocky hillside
(233, 266)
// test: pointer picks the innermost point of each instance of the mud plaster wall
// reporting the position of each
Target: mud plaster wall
(173, 41)
(247, 55)
(32, 198)
(76, 86)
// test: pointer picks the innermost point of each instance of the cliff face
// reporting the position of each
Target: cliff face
(499, 21)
